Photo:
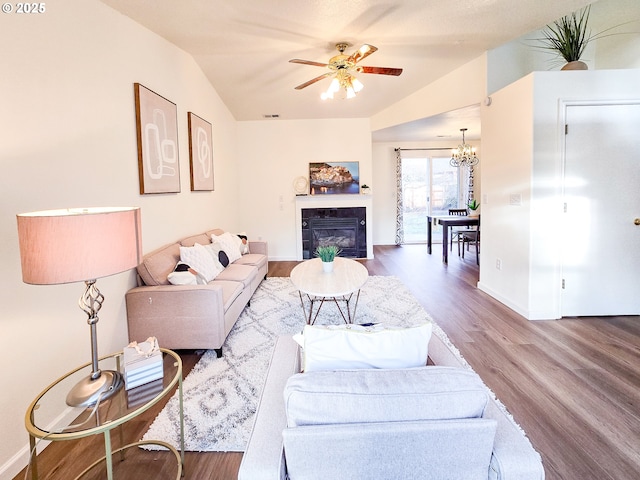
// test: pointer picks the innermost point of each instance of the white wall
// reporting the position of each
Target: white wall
(68, 140)
(463, 87)
(522, 140)
(507, 144)
(273, 154)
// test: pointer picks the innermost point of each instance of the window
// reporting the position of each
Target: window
(430, 186)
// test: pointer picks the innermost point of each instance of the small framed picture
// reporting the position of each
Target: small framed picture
(200, 153)
(157, 131)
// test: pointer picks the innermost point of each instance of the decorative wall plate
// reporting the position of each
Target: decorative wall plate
(301, 186)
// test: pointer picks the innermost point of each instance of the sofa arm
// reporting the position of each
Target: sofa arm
(263, 458)
(179, 316)
(513, 458)
(259, 246)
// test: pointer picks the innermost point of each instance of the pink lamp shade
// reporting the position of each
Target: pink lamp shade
(73, 245)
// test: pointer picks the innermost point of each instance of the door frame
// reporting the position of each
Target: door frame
(564, 105)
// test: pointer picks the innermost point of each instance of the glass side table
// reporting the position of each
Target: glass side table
(50, 418)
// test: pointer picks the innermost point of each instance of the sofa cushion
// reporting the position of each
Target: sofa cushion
(230, 291)
(396, 395)
(239, 273)
(334, 347)
(201, 238)
(157, 265)
(255, 259)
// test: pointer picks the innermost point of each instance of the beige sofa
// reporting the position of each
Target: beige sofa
(192, 316)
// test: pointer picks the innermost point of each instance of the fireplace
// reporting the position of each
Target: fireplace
(343, 227)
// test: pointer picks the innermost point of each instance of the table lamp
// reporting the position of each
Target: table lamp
(84, 244)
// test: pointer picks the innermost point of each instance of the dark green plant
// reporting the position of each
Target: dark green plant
(473, 205)
(327, 253)
(569, 35)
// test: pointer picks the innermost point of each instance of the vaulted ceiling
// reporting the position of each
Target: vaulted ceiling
(244, 46)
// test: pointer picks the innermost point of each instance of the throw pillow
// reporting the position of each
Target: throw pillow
(223, 259)
(228, 243)
(200, 260)
(183, 274)
(339, 347)
(244, 243)
(216, 252)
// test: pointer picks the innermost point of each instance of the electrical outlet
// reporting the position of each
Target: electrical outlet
(498, 264)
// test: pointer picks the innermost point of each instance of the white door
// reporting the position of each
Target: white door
(601, 244)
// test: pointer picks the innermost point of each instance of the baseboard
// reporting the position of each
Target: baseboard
(505, 301)
(15, 464)
(529, 315)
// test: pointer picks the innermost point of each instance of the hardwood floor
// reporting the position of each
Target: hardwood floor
(573, 384)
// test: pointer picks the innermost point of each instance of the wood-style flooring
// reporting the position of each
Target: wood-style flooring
(572, 384)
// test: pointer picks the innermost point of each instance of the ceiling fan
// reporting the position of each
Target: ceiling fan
(343, 68)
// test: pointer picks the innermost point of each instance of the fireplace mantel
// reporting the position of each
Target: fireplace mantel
(333, 201)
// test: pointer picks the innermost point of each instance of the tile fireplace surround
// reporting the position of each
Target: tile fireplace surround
(333, 201)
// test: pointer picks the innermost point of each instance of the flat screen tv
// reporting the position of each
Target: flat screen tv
(334, 177)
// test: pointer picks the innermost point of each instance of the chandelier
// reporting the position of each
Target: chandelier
(464, 155)
(343, 80)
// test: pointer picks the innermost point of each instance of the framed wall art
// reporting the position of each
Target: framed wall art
(157, 129)
(200, 153)
(334, 177)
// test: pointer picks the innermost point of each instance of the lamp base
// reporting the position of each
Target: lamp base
(88, 392)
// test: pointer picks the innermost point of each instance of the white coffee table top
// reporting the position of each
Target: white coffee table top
(347, 277)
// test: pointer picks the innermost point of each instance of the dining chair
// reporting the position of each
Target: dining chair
(455, 233)
(469, 237)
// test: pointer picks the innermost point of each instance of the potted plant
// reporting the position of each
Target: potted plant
(473, 205)
(327, 253)
(568, 37)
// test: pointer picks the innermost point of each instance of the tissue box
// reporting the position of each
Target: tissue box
(142, 363)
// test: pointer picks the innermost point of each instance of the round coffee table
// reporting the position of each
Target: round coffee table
(346, 279)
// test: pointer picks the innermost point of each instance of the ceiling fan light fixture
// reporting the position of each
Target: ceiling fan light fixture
(357, 84)
(341, 68)
(350, 92)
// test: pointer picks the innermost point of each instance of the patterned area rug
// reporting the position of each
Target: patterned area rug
(221, 394)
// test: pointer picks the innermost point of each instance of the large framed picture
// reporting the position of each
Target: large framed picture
(200, 153)
(157, 130)
(334, 177)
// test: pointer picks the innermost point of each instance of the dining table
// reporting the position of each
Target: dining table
(448, 221)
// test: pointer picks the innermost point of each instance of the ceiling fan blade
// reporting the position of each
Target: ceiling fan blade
(381, 70)
(314, 80)
(309, 62)
(363, 52)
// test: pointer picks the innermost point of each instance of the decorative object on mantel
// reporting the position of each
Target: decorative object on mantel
(364, 189)
(301, 186)
(327, 253)
(473, 207)
(465, 155)
(82, 245)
